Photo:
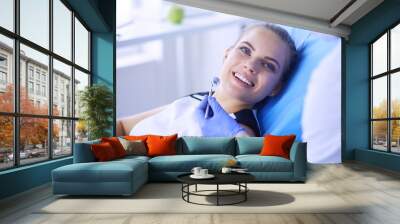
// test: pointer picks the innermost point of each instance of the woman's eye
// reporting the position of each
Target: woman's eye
(270, 66)
(245, 50)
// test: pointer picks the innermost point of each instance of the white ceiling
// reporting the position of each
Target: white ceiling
(319, 9)
(326, 16)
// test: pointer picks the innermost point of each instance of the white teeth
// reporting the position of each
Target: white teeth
(243, 79)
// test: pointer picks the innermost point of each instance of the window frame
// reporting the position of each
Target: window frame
(388, 74)
(16, 115)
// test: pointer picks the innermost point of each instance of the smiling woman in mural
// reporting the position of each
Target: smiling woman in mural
(254, 68)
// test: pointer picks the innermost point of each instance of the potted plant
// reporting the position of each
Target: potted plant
(96, 102)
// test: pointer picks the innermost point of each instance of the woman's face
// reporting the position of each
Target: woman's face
(253, 67)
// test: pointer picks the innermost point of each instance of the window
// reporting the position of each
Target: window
(81, 45)
(62, 74)
(3, 61)
(62, 29)
(7, 142)
(3, 72)
(30, 72)
(30, 87)
(385, 94)
(62, 130)
(34, 25)
(7, 14)
(54, 125)
(38, 89)
(37, 75)
(7, 73)
(3, 78)
(43, 90)
(81, 81)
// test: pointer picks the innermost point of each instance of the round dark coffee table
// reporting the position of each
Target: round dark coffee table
(238, 179)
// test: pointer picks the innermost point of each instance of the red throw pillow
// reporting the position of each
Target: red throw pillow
(103, 151)
(116, 145)
(277, 145)
(161, 145)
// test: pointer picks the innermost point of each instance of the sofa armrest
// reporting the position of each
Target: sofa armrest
(83, 152)
(298, 155)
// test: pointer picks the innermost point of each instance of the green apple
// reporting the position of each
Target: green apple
(176, 14)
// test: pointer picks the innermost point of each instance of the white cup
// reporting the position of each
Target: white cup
(196, 171)
(226, 170)
(203, 172)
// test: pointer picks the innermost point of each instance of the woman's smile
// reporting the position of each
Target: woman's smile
(242, 80)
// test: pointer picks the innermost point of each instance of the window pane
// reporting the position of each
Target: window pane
(35, 21)
(62, 137)
(7, 14)
(395, 94)
(6, 142)
(379, 135)
(395, 47)
(34, 79)
(62, 29)
(81, 45)
(81, 131)
(379, 98)
(62, 89)
(6, 74)
(395, 136)
(81, 81)
(33, 139)
(379, 55)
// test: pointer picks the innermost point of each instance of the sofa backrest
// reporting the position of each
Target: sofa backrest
(198, 145)
(83, 152)
(191, 145)
(249, 145)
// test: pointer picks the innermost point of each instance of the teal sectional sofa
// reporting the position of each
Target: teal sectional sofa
(125, 176)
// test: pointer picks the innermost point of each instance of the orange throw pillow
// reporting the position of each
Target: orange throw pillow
(103, 152)
(116, 145)
(277, 145)
(161, 145)
(135, 138)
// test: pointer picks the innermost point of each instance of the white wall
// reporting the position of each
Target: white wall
(188, 63)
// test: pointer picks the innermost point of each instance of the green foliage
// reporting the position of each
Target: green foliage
(96, 102)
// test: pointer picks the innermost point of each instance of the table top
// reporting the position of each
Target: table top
(220, 178)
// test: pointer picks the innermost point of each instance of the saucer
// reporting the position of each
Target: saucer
(208, 176)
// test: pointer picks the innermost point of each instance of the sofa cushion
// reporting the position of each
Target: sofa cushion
(185, 163)
(257, 163)
(161, 145)
(133, 147)
(189, 145)
(249, 145)
(116, 145)
(103, 152)
(277, 145)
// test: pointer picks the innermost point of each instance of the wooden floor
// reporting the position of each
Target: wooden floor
(377, 188)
